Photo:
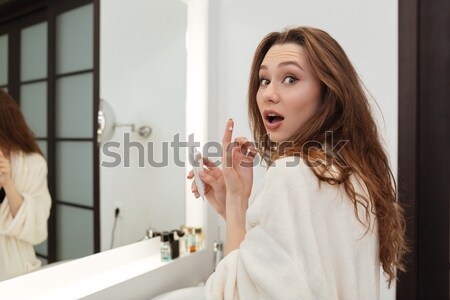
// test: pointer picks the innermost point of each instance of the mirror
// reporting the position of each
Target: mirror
(141, 73)
(143, 80)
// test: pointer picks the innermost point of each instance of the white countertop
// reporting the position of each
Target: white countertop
(85, 276)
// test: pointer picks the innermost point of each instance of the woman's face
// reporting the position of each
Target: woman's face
(288, 94)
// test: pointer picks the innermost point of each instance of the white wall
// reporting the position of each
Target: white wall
(367, 30)
(143, 77)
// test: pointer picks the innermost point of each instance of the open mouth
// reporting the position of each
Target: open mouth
(272, 118)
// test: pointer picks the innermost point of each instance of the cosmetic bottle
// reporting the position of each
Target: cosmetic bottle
(182, 241)
(174, 245)
(199, 238)
(191, 240)
(166, 254)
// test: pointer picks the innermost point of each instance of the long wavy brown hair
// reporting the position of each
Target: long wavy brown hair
(15, 135)
(345, 111)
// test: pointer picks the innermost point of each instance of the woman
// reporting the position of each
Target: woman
(25, 199)
(327, 214)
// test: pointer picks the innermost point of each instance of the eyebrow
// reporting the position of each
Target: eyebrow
(286, 63)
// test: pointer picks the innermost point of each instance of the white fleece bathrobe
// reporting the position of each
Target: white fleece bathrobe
(302, 242)
(29, 227)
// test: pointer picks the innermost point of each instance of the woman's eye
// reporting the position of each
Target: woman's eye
(264, 81)
(290, 80)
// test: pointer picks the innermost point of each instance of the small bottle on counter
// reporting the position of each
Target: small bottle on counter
(181, 237)
(191, 240)
(174, 245)
(199, 239)
(166, 254)
(183, 240)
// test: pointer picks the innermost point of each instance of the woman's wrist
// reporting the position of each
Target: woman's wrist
(15, 198)
(236, 203)
(9, 185)
(235, 224)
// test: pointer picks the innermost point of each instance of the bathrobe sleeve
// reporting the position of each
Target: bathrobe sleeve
(30, 222)
(279, 257)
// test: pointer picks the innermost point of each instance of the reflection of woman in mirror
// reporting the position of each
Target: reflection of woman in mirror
(25, 199)
(326, 216)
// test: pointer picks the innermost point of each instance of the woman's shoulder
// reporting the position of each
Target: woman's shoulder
(289, 164)
(290, 169)
(292, 182)
(34, 158)
(297, 164)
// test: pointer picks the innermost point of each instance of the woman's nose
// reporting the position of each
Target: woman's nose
(271, 93)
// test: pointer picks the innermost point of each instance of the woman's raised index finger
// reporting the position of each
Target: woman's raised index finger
(227, 139)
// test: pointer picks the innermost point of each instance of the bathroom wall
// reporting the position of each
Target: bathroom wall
(143, 77)
(367, 30)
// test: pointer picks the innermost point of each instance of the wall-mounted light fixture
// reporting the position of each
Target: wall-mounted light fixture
(106, 121)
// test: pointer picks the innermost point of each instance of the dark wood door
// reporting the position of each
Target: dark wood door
(424, 145)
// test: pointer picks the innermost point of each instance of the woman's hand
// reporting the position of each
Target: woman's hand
(5, 170)
(212, 176)
(15, 199)
(237, 166)
(215, 191)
